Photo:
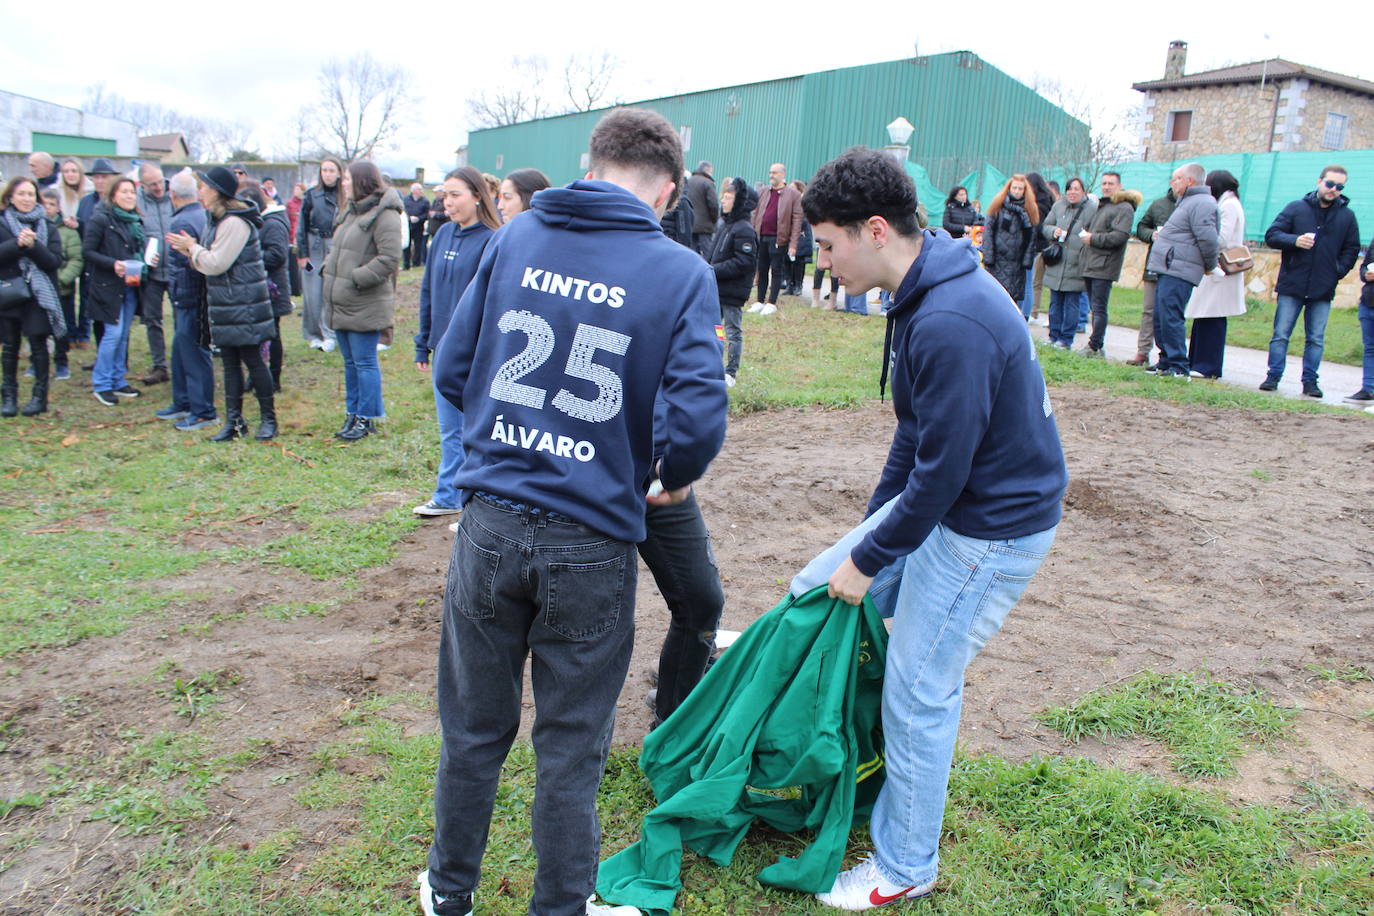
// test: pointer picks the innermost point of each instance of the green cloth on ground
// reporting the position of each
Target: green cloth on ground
(785, 727)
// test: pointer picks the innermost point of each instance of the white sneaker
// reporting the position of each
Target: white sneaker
(768, 309)
(755, 308)
(428, 899)
(315, 343)
(382, 346)
(328, 345)
(432, 509)
(597, 909)
(729, 380)
(862, 887)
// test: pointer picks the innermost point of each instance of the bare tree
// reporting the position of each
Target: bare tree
(209, 139)
(587, 79)
(363, 104)
(1050, 147)
(524, 91)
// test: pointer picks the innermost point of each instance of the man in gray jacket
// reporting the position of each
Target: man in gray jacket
(1184, 251)
(156, 206)
(701, 194)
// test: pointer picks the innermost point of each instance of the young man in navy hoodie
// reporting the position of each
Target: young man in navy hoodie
(966, 507)
(579, 314)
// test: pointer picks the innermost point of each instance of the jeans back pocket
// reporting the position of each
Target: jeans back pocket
(584, 599)
(472, 578)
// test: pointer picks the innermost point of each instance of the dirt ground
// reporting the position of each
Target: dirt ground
(1223, 540)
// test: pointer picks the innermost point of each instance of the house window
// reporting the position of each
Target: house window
(500, 161)
(1333, 137)
(1178, 126)
(684, 131)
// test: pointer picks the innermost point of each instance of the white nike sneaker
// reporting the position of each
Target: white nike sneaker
(862, 888)
(755, 308)
(597, 909)
(768, 309)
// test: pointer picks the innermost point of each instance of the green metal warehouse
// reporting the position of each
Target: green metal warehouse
(966, 112)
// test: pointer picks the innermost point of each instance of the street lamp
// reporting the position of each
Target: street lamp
(900, 131)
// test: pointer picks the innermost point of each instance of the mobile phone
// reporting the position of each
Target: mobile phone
(310, 267)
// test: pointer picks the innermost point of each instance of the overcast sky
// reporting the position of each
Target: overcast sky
(217, 72)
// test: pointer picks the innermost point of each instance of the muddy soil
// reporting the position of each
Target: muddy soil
(1192, 539)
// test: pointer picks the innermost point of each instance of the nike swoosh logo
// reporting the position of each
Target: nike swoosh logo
(878, 899)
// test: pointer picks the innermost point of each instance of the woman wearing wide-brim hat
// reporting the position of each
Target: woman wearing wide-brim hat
(238, 303)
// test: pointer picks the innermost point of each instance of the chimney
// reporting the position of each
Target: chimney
(1178, 56)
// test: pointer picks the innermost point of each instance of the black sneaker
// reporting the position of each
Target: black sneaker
(1363, 395)
(1311, 390)
(128, 391)
(1269, 384)
(106, 397)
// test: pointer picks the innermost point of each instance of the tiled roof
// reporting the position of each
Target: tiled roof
(1275, 68)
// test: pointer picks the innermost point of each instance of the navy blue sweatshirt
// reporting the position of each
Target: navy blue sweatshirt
(581, 310)
(452, 260)
(976, 445)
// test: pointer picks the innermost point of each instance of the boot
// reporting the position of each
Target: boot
(362, 426)
(349, 423)
(39, 402)
(815, 298)
(234, 425)
(9, 392)
(267, 426)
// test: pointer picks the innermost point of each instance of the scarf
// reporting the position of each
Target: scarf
(40, 284)
(135, 224)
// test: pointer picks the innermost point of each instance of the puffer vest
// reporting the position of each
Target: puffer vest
(240, 306)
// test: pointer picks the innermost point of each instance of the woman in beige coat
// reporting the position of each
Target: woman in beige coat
(360, 289)
(1220, 295)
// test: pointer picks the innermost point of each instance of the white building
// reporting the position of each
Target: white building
(28, 124)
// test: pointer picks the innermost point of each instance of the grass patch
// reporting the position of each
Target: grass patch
(1049, 836)
(195, 696)
(1348, 673)
(1343, 341)
(1205, 723)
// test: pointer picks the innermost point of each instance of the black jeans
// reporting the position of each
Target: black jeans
(677, 550)
(235, 359)
(274, 358)
(414, 255)
(11, 338)
(1098, 292)
(772, 260)
(521, 583)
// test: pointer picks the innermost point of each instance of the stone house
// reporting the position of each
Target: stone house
(1266, 106)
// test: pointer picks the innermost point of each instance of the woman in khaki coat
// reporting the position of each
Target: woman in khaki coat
(1220, 295)
(360, 289)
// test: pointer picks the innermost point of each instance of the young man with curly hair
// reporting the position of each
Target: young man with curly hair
(966, 507)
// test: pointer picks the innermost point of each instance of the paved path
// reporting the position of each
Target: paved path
(1246, 368)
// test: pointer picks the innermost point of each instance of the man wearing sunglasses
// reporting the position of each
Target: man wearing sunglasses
(1320, 241)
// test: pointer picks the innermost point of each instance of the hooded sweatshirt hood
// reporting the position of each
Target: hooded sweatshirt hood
(745, 201)
(590, 205)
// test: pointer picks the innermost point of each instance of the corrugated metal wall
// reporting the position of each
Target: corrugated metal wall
(966, 113)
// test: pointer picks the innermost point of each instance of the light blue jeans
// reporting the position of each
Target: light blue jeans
(961, 589)
(113, 354)
(362, 375)
(450, 451)
(1314, 315)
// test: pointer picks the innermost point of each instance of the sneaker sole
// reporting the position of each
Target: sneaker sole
(434, 513)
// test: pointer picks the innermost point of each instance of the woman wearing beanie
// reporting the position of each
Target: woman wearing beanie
(239, 305)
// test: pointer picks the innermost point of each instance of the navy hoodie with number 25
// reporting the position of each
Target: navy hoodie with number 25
(580, 311)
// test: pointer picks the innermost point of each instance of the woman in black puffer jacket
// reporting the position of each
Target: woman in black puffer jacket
(30, 254)
(240, 307)
(733, 257)
(1009, 236)
(959, 213)
(276, 260)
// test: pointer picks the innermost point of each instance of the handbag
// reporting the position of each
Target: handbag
(1054, 251)
(1236, 260)
(14, 291)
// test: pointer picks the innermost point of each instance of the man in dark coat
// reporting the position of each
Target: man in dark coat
(417, 213)
(701, 191)
(1104, 251)
(1320, 240)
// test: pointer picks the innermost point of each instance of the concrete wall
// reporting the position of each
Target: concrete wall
(1259, 281)
(20, 116)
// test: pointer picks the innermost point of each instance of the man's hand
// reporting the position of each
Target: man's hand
(1369, 275)
(792, 253)
(667, 497)
(848, 584)
(1086, 236)
(1306, 240)
(423, 367)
